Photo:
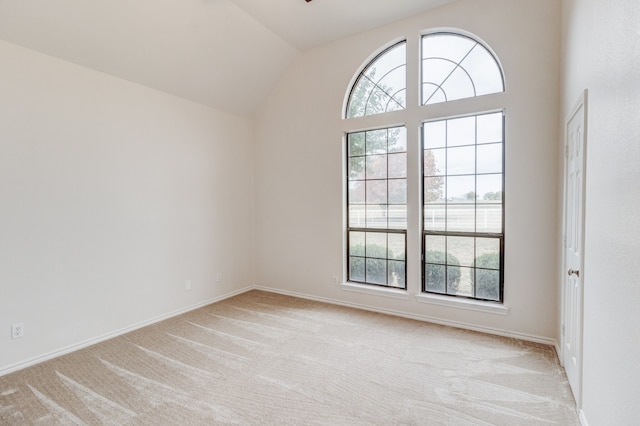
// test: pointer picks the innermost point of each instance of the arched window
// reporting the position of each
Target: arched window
(455, 66)
(382, 85)
(462, 172)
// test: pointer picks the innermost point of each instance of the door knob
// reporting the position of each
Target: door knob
(575, 272)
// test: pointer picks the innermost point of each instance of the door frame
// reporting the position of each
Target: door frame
(580, 103)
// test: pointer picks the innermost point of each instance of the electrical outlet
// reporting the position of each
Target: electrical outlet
(219, 277)
(336, 281)
(17, 330)
(187, 285)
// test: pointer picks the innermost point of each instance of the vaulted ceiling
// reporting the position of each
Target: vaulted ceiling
(227, 54)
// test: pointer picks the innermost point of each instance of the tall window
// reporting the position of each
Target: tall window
(463, 187)
(462, 173)
(377, 200)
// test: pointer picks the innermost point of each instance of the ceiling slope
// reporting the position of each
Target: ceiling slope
(226, 54)
(305, 25)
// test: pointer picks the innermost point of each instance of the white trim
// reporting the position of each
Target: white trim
(467, 304)
(581, 103)
(376, 290)
(558, 348)
(80, 345)
(583, 418)
(399, 293)
(424, 318)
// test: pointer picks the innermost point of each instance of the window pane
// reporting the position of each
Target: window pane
(393, 85)
(453, 277)
(484, 69)
(397, 139)
(378, 101)
(435, 217)
(398, 191)
(434, 277)
(357, 216)
(488, 253)
(435, 248)
(464, 286)
(458, 85)
(433, 93)
(490, 128)
(397, 246)
(489, 218)
(396, 272)
(376, 142)
(455, 67)
(463, 249)
(461, 161)
(359, 97)
(382, 85)
(397, 167)
(356, 144)
(487, 284)
(356, 168)
(398, 100)
(461, 131)
(434, 72)
(397, 216)
(434, 162)
(435, 134)
(490, 158)
(441, 54)
(376, 167)
(376, 270)
(376, 245)
(470, 262)
(490, 187)
(376, 192)
(461, 217)
(451, 46)
(386, 62)
(356, 243)
(461, 189)
(376, 216)
(356, 269)
(356, 192)
(434, 190)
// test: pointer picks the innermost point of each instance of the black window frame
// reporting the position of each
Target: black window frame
(500, 236)
(484, 252)
(365, 229)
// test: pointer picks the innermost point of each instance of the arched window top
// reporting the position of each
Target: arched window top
(382, 85)
(455, 66)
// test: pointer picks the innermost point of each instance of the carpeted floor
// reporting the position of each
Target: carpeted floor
(267, 359)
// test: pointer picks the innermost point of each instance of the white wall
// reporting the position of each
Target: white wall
(299, 206)
(602, 54)
(112, 195)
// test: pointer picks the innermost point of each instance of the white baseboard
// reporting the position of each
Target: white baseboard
(466, 326)
(556, 345)
(80, 345)
(425, 318)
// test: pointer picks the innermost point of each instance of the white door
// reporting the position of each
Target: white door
(575, 144)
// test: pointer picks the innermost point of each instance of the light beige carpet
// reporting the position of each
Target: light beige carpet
(267, 359)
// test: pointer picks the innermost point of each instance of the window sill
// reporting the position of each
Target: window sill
(470, 305)
(375, 290)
